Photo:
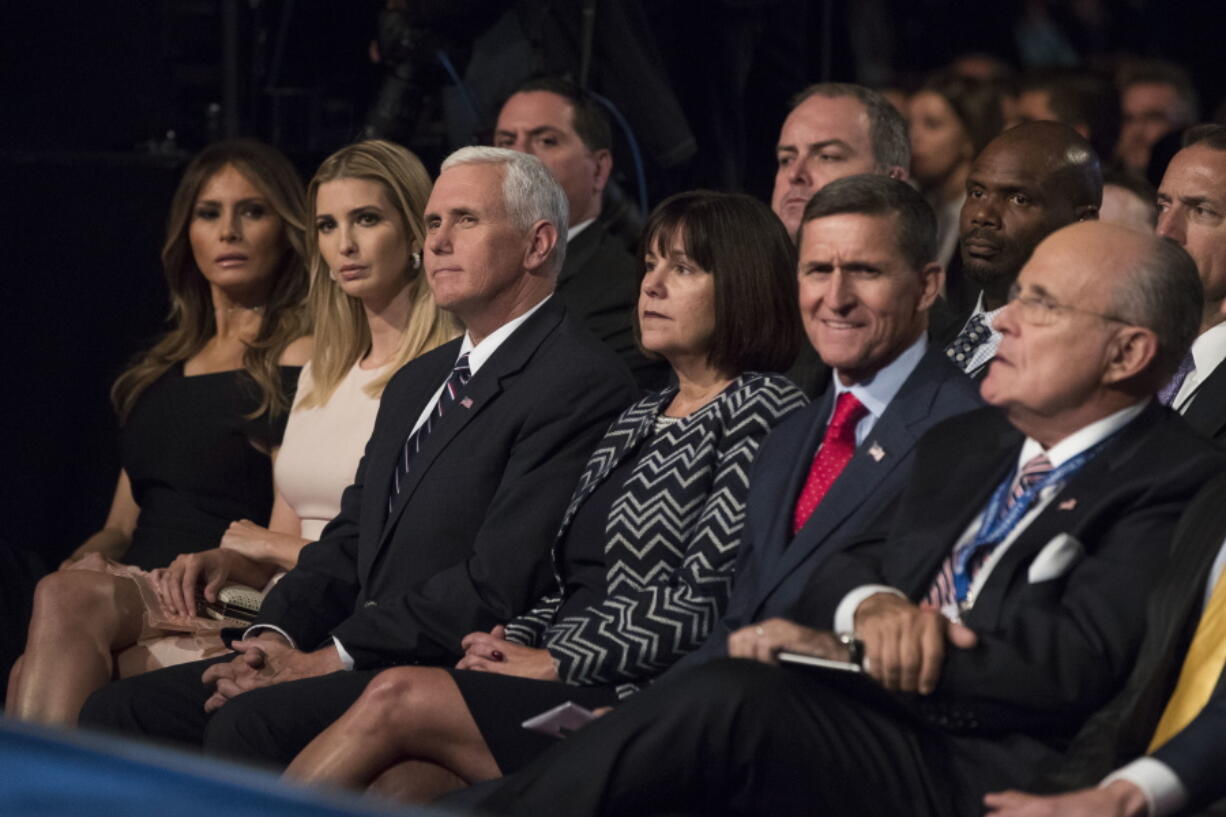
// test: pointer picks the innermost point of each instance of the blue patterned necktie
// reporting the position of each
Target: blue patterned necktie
(943, 592)
(1166, 395)
(446, 399)
(963, 347)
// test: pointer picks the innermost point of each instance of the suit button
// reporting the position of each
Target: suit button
(371, 603)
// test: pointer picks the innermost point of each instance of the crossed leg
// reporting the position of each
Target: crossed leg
(80, 618)
(410, 730)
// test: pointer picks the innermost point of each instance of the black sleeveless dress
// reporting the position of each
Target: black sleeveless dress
(197, 462)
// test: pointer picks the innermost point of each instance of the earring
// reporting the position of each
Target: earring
(416, 259)
(332, 274)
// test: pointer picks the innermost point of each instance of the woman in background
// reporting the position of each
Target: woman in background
(951, 119)
(646, 551)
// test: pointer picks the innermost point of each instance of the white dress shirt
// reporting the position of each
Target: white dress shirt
(1081, 440)
(477, 356)
(1208, 352)
(876, 393)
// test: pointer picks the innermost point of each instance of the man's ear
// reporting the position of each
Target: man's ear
(542, 238)
(604, 166)
(1130, 353)
(896, 172)
(932, 280)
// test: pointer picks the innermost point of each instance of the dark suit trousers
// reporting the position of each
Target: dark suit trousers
(739, 737)
(267, 726)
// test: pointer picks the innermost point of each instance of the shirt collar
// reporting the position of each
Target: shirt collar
(987, 316)
(477, 355)
(1082, 439)
(578, 228)
(1209, 350)
(877, 392)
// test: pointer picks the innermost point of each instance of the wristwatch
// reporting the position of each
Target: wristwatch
(855, 648)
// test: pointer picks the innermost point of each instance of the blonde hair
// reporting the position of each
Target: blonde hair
(342, 335)
(191, 306)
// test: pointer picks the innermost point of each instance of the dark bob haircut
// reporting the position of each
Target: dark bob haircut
(873, 195)
(745, 247)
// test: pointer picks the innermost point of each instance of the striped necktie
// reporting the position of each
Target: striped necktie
(412, 446)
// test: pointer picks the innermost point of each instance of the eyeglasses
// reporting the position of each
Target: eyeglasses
(1039, 311)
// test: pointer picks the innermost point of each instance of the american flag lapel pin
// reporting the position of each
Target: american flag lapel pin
(876, 452)
(467, 402)
(1067, 505)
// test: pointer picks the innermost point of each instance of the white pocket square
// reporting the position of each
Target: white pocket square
(1055, 559)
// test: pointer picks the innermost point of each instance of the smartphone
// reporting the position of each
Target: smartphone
(561, 720)
(786, 657)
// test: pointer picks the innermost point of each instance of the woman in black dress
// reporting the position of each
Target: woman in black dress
(646, 550)
(201, 413)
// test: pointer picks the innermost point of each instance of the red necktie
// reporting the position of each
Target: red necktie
(836, 451)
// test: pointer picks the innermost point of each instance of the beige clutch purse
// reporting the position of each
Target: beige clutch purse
(235, 602)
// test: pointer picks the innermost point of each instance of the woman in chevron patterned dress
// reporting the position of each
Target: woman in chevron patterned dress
(645, 555)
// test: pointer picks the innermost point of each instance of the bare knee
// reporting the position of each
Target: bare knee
(75, 594)
(389, 697)
(85, 603)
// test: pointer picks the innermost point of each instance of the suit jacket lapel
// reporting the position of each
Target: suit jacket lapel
(580, 251)
(377, 480)
(482, 390)
(1207, 414)
(983, 461)
(1174, 612)
(1065, 512)
(805, 440)
(894, 435)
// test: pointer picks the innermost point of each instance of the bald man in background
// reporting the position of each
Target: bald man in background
(1027, 183)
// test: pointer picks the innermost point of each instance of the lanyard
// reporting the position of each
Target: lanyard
(995, 527)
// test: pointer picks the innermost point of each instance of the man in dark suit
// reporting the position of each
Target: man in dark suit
(905, 383)
(1184, 771)
(998, 612)
(553, 120)
(1027, 183)
(447, 527)
(1192, 213)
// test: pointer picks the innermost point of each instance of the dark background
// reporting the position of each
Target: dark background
(104, 103)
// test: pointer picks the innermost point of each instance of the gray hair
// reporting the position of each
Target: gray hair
(887, 130)
(529, 191)
(1163, 293)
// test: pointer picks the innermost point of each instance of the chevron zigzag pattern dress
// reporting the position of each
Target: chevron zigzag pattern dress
(643, 560)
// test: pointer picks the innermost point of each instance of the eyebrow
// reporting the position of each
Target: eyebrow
(827, 143)
(248, 200)
(1195, 201)
(452, 211)
(533, 132)
(1009, 187)
(364, 208)
(851, 266)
